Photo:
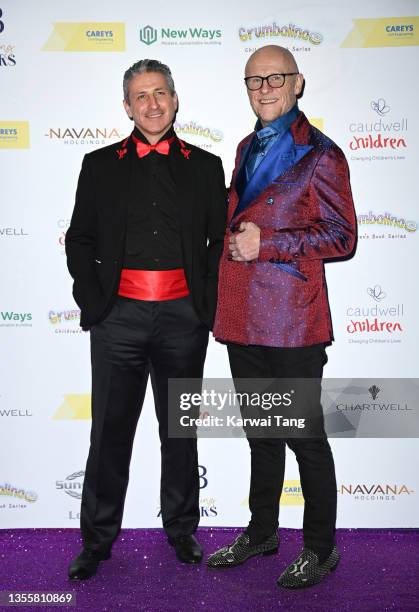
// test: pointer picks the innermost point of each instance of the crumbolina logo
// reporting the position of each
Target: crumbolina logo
(384, 225)
(65, 321)
(206, 135)
(273, 30)
(21, 494)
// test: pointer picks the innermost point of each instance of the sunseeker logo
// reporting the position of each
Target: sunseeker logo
(83, 135)
(378, 139)
(274, 30)
(189, 35)
(72, 485)
(381, 322)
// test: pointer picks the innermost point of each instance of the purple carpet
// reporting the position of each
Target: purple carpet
(378, 571)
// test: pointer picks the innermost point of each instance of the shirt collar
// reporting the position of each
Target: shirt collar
(278, 126)
(170, 132)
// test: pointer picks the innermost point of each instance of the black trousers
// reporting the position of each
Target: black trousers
(164, 340)
(314, 456)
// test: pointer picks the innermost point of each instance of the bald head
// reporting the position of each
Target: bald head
(275, 54)
(277, 97)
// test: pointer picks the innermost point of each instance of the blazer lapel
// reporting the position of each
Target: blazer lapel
(284, 154)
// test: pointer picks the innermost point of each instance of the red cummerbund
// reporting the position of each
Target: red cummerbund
(153, 285)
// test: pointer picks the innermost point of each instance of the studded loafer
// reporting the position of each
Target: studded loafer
(240, 550)
(307, 571)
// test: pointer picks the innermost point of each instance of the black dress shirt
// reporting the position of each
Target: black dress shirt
(153, 240)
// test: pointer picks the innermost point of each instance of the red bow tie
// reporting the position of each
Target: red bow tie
(144, 149)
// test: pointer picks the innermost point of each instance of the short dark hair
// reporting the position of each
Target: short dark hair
(147, 65)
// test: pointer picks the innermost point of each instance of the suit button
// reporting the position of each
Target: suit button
(270, 201)
(155, 232)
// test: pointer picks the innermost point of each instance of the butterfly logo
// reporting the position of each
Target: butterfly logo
(376, 293)
(380, 107)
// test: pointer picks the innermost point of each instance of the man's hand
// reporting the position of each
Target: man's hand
(245, 244)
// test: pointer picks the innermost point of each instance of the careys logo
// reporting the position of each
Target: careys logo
(383, 32)
(86, 36)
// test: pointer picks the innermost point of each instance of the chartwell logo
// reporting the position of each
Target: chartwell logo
(72, 485)
(11, 318)
(14, 135)
(384, 226)
(12, 412)
(378, 138)
(378, 323)
(13, 232)
(196, 35)
(374, 391)
(273, 30)
(86, 36)
(23, 495)
(7, 56)
(83, 135)
(375, 492)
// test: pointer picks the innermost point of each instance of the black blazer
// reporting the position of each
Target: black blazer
(95, 240)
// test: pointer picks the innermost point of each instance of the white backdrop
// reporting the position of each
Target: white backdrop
(61, 68)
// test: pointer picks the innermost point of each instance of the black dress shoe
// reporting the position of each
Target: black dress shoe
(307, 570)
(85, 565)
(241, 550)
(187, 547)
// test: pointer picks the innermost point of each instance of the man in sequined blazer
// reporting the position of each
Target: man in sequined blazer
(290, 209)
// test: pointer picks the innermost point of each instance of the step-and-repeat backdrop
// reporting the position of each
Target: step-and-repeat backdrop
(61, 68)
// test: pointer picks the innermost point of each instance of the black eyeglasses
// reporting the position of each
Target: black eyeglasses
(274, 80)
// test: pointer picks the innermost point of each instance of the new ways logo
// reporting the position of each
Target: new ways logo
(189, 35)
(75, 406)
(14, 135)
(86, 36)
(12, 318)
(383, 32)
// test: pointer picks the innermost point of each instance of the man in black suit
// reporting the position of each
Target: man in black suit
(143, 248)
